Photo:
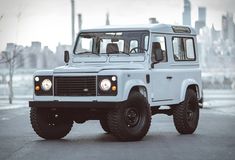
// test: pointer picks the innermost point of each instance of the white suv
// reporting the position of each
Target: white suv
(121, 76)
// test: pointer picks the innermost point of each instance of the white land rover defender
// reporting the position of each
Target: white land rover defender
(121, 76)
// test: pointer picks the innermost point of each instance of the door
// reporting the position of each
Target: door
(161, 76)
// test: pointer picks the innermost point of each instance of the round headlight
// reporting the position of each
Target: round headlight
(46, 84)
(105, 85)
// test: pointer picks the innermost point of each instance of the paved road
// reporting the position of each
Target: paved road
(213, 140)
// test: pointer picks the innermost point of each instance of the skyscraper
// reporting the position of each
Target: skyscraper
(187, 13)
(202, 14)
(228, 27)
(201, 22)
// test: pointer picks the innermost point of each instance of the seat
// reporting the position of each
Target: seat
(112, 48)
(155, 47)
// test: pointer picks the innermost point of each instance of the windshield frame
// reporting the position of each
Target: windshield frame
(112, 31)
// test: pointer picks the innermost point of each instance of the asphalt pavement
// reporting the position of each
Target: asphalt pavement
(213, 140)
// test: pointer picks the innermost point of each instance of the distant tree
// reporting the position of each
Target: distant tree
(9, 58)
(1, 17)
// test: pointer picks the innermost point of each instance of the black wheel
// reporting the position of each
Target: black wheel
(49, 124)
(104, 124)
(130, 121)
(186, 114)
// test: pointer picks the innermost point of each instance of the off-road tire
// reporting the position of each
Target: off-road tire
(48, 127)
(122, 120)
(186, 114)
(104, 124)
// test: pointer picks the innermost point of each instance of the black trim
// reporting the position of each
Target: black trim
(138, 30)
(162, 100)
(165, 41)
(109, 92)
(195, 56)
(72, 104)
(39, 83)
(147, 78)
(75, 86)
(181, 29)
(175, 34)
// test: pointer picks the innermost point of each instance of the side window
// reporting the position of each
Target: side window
(161, 44)
(190, 49)
(183, 49)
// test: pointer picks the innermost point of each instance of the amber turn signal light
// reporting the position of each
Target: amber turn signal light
(114, 88)
(37, 88)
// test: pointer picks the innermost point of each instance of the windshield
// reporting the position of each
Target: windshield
(128, 42)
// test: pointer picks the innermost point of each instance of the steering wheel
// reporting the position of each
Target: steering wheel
(135, 49)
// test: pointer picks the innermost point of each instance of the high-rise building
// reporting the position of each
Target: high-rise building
(224, 27)
(202, 14)
(199, 25)
(187, 13)
(228, 27)
(214, 34)
(201, 22)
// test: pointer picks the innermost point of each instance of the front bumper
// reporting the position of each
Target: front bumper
(64, 104)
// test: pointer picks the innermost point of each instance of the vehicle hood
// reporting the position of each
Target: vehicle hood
(95, 68)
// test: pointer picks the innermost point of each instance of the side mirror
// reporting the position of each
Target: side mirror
(66, 57)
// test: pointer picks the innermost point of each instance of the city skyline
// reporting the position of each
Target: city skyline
(50, 22)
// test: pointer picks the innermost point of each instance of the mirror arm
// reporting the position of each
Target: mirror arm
(152, 65)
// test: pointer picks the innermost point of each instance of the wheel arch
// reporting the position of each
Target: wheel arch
(189, 84)
(138, 86)
(141, 89)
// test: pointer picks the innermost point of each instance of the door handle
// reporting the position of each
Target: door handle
(169, 77)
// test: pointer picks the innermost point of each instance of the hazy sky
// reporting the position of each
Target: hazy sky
(49, 21)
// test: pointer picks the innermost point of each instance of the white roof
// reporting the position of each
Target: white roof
(159, 28)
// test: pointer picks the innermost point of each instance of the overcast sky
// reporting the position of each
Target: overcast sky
(49, 21)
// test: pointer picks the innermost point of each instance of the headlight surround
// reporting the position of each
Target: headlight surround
(107, 85)
(43, 85)
(46, 84)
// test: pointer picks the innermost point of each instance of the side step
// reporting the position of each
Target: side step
(156, 110)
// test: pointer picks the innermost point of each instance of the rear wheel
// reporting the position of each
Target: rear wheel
(49, 124)
(186, 114)
(131, 120)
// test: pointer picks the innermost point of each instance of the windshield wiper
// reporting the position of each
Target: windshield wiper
(87, 52)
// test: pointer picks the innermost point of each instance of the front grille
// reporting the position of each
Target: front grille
(75, 86)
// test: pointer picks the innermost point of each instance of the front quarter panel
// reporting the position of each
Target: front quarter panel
(134, 79)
